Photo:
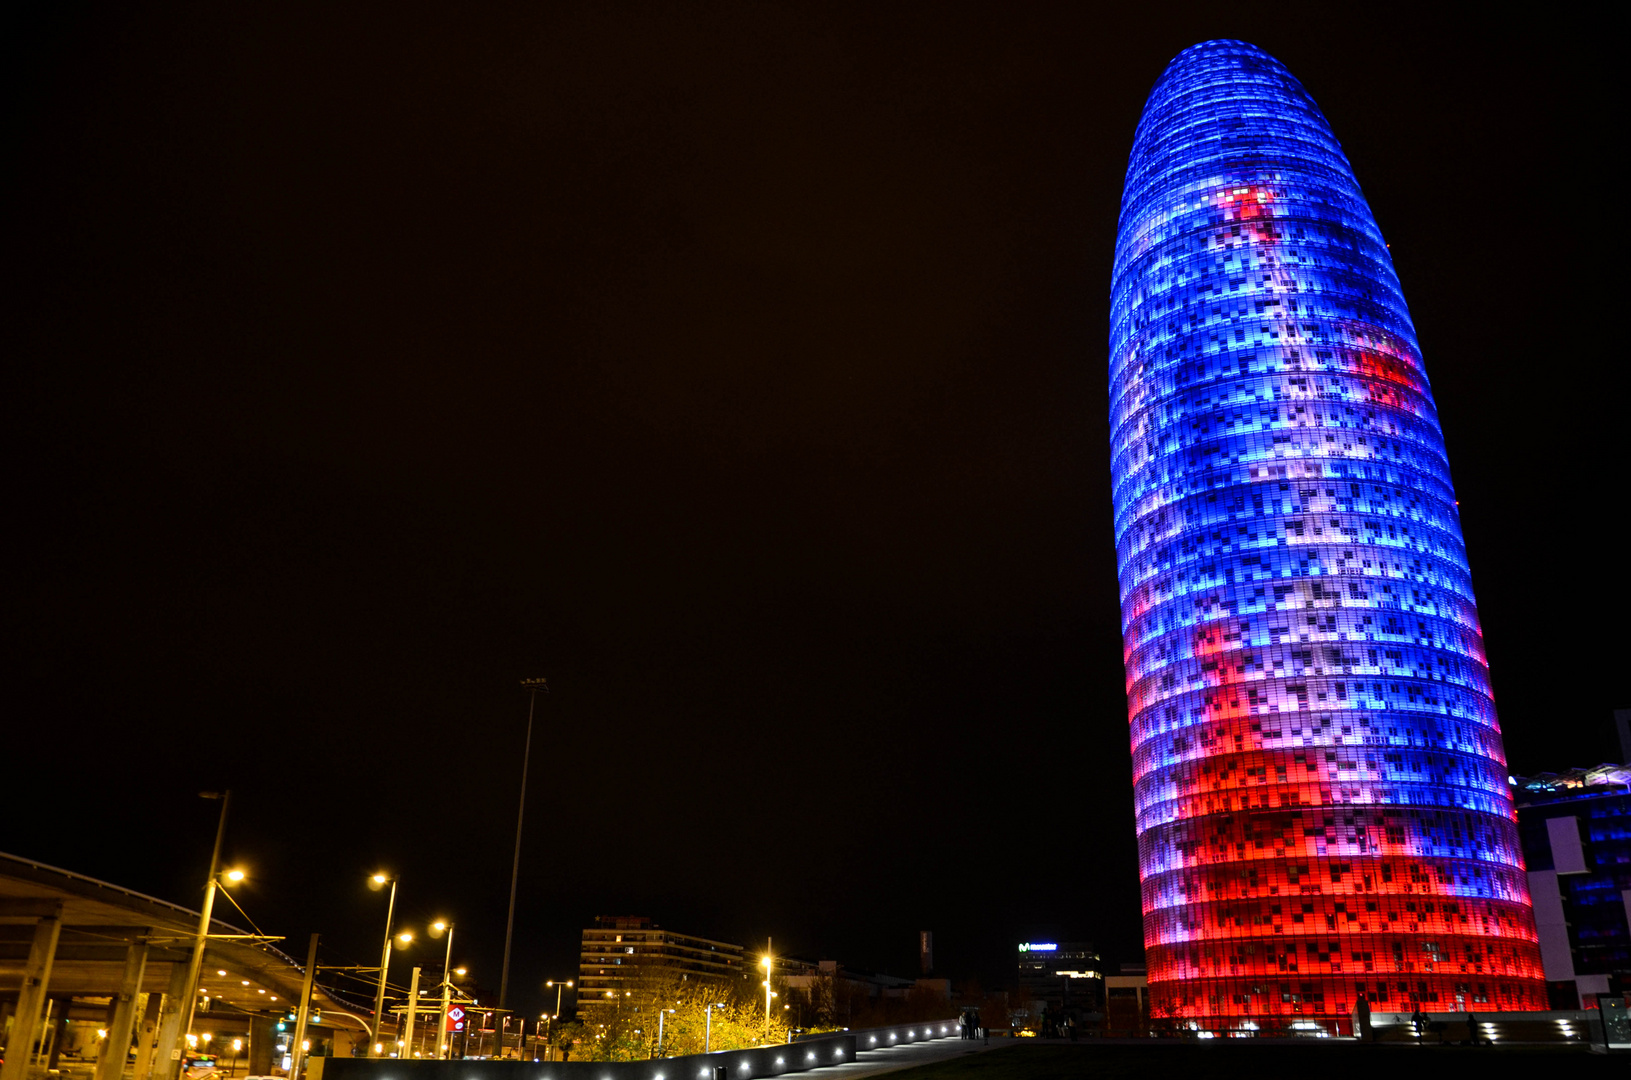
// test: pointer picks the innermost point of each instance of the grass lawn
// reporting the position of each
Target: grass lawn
(1264, 1060)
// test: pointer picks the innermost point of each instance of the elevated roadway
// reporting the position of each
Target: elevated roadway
(67, 937)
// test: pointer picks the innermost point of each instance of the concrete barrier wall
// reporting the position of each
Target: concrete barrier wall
(775, 1060)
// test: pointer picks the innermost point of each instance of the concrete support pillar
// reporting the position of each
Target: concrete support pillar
(42, 953)
(262, 1037)
(148, 1031)
(110, 1064)
(167, 1052)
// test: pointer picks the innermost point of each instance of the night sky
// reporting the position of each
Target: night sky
(740, 368)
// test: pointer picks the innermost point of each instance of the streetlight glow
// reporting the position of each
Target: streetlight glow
(235, 875)
(405, 937)
(376, 883)
(768, 995)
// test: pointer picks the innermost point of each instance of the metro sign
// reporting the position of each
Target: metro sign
(455, 1019)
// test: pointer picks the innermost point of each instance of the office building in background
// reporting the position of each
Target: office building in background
(1576, 829)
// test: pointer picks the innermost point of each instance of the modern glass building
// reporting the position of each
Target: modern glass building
(1576, 833)
(1322, 799)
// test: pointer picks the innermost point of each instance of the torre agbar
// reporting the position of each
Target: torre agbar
(1321, 791)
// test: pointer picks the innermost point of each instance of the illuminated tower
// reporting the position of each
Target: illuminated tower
(1321, 790)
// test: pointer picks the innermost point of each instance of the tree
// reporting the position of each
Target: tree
(680, 1009)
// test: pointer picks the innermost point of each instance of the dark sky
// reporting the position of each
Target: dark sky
(741, 369)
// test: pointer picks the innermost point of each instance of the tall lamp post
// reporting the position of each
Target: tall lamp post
(661, 1013)
(768, 995)
(708, 1027)
(559, 986)
(379, 881)
(196, 962)
(437, 928)
(534, 688)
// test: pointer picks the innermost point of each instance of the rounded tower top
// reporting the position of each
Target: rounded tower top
(1224, 115)
(1208, 109)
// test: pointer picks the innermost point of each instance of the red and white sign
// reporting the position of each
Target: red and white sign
(455, 1019)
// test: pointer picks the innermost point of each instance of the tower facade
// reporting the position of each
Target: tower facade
(1322, 800)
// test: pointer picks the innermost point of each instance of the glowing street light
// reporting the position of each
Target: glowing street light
(766, 962)
(437, 929)
(559, 986)
(708, 1027)
(661, 1013)
(377, 882)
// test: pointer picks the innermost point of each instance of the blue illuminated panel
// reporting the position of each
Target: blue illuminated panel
(1322, 803)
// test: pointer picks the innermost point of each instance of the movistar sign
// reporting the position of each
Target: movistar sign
(1038, 946)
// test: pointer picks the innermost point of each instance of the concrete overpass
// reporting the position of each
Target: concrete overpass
(77, 951)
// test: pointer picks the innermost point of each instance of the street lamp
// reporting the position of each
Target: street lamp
(190, 994)
(767, 965)
(660, 1014)
(708, 1027)
(378, 881)
(437, 928)
(558, 985)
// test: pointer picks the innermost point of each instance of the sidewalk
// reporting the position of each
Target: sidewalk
(895, 1058)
